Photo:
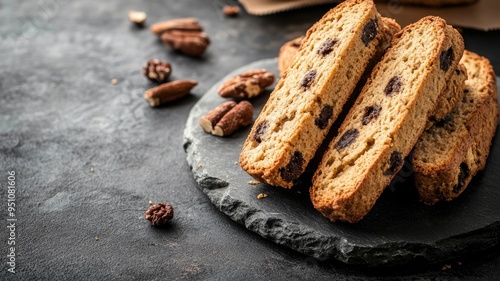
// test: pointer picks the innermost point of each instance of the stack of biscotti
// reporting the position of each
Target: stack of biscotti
(309, 97)
(387, 119)
(451, 152)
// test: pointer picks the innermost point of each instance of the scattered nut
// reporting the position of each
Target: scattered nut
(114, 81)
(227, 118)
(231, 11)
(157, 71)
(239, 116)
(253, 182)
(150, 202)
(246, 85)
(160, 214)
(184, 35)
(188, 24)
(169, 92)
(96, 238)
(137, 17)
(209, 121)
(261, 196)
(191, 43)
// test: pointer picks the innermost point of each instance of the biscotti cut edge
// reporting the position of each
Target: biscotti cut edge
(464, 140)
(360, 161)
(307, 100)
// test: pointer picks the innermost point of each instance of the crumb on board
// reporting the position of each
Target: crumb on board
(150, 202)
(114, 81)
(446, 267)
(253, 182)
(96, 238)
(261, 196)
(92, 169)
(200, 165)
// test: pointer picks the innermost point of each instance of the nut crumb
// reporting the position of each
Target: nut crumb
(150, 202)
(253, 182)
(200, 165)
(92, 169)
(96, 238)
(261, 196)
(230, 10)
(114, 81)
(137, 17)
(446, 267)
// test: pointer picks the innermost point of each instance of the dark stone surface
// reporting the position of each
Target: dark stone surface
(89, 155)
(398, 230)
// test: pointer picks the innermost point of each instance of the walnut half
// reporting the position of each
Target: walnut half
(246, 85)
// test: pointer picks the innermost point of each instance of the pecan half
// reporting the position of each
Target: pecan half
(246, 85)
(169, 92)
(191, 43)
(189, 24)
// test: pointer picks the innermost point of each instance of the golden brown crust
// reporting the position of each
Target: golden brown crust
(464, 140)
(404, 87)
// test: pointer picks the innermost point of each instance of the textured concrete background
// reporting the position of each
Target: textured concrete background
(89, 155)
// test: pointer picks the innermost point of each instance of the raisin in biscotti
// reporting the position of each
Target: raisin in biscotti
(385, 122)
(450, 153)
(306, 101)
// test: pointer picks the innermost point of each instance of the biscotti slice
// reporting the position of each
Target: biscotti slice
(385, 122)
(307, 100)
(450, 153)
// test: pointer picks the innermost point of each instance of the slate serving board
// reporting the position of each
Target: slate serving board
(398, 230)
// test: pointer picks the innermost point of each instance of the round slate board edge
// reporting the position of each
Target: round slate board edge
(307, 240)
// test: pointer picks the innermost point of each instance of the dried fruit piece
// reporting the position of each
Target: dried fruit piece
(209, 121)
(137, 17)
(369, 31)
(231, 10)
(308, 79)
(462, 177)
(187, 24)
(371, 112)
(395, 163)
(325, 115)
(239, 116)
(347, 139)
(157, 71)
(160, 214)
(260, 131)
(327, 47)
(394, 86)
(169, 92)
(446, 59)
(246, 85)
(294, 168)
